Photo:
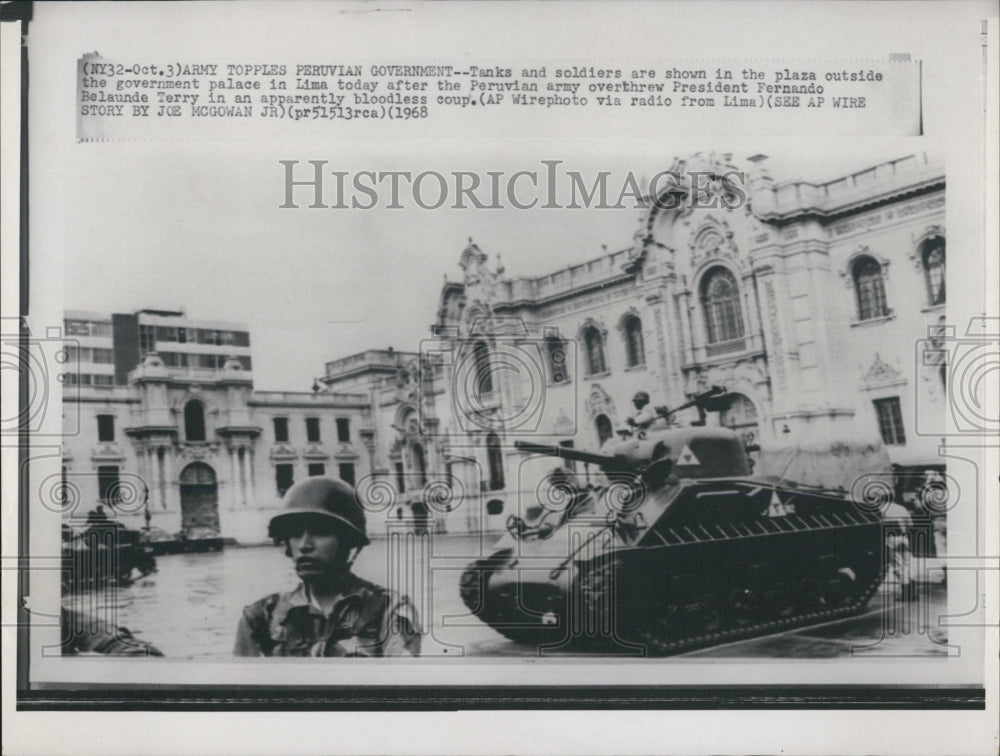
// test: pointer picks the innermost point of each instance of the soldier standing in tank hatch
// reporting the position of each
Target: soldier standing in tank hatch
(331, 612)
(645, 414)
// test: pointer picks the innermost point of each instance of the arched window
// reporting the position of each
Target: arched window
(556, 352)
(495, 459)
(721, 299)
(484, 377)
(420, 464)
(595, 351)
(604, 429)
(870, 289)
(933, 259)
(635, 349)
(194, 421)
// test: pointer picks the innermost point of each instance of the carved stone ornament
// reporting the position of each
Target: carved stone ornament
(563, 425)
(599, 402)
(881, 372)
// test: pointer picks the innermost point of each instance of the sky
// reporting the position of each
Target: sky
(197, 226)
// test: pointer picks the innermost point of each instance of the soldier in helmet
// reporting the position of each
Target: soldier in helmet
(331, 612)
(644, 415)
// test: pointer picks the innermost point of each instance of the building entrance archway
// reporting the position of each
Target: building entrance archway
(199, 502)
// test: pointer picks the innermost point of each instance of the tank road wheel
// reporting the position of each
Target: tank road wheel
(705, 617)
(595, 620)
(841, 590)
(663, 628)
(534, 620)
(743, 608)
(779, 603)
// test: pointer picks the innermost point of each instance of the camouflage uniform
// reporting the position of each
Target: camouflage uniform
(365, 620)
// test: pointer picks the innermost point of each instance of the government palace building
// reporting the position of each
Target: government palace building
(806, 302)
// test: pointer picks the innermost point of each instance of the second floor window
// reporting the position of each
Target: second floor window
(105, 427)
(312, 430)
(890, 421)
(343, 430)
(484, 375)
(495, 458)
(594, 343)
(870, 288)
(635, 349)
(933, 259)
(194, 421)
(281, 429)
(721, 300)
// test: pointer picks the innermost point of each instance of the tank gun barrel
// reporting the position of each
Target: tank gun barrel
(576, 455)
(701, 401)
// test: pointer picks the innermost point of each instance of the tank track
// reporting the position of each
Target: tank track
(665, 629)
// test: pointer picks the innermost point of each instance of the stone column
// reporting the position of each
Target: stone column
(166, 482)
(252, 493)
(241, 456)
(687, 335)
(233, 476)
(781, 347)
(152, 465)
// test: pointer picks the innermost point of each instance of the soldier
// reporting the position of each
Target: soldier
(644, 415)
(898, 522)
(332, 612)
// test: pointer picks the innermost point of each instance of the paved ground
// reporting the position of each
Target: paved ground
(190, 608)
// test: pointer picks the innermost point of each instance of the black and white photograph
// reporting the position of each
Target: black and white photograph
(383, 359)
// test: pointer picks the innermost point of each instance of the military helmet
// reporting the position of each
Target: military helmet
(327, 497)
(641, 396)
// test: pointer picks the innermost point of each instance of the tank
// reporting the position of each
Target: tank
(103, 553)
(679, 546)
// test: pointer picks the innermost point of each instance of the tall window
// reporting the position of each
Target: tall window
(284, 476)
(312, 430)
(484, 377)
(420, 464)
(281, 430)
(594, 342)
(870, 289)
(346, 471)
(721, 299)
(343, 430)
(316, 469)
(147, 339)
(933, 259)
(604, 430)
(108, 484)
(890, 421)
(495, 458)
(635, 349)
(400, 478)
(105, 427)
(194, 421)
(556, 352)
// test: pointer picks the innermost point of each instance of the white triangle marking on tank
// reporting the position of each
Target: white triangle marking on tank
(686, 457)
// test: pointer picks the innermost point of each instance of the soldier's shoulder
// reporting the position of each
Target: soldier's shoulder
(263, 607)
